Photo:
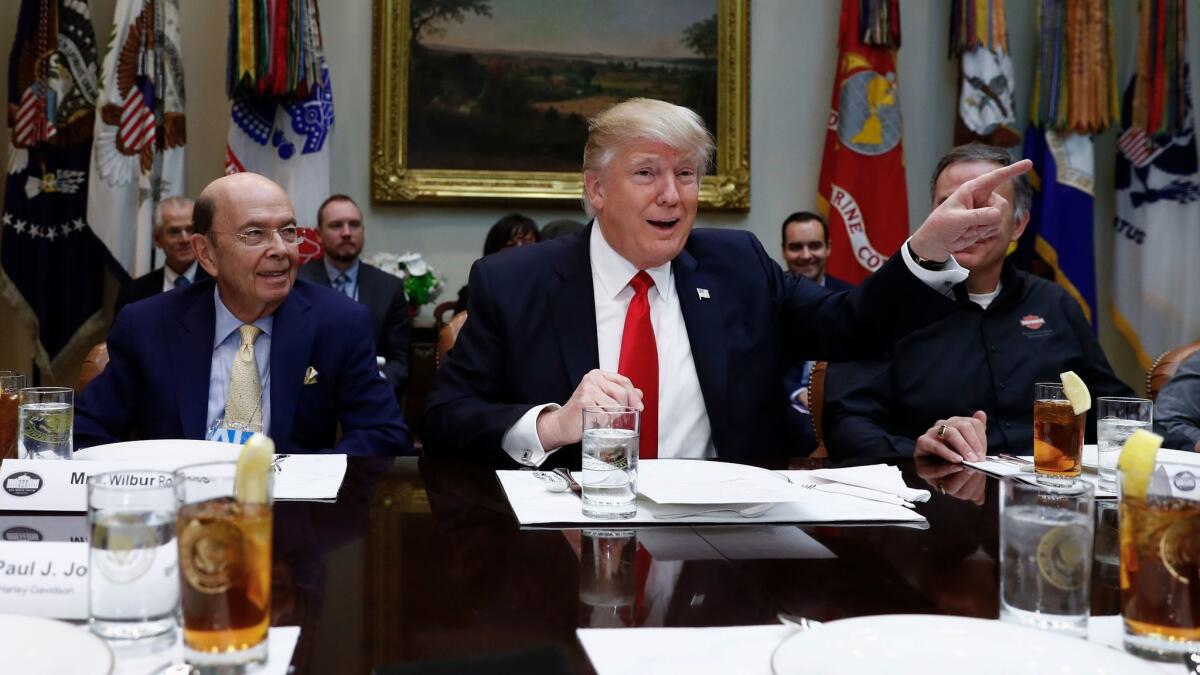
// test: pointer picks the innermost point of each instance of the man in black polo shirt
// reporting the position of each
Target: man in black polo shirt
(974, 370)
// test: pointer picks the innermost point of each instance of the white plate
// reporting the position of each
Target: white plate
(696, 481)
(900, 644)
(169, 448)
(32, 645)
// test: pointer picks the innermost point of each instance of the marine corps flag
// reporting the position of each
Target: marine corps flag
(52, 263)
(137, 159)
(862, 190)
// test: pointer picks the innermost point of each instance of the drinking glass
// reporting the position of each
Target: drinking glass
(11, 385)
(1046, 554)
(133, 578)
(224, 569)
(607, 582)
(45, 418)
(610, 458)
(1116, 420)
(1057, 435)
(1160, 561)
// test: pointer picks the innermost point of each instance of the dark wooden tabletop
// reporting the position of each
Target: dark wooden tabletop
(423, 560)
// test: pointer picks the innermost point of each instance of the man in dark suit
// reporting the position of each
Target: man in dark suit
(641, 310)
(340, 224)
(252, 349)
(173, 236)
(804, 242)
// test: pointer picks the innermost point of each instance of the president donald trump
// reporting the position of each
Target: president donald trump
(692, 326)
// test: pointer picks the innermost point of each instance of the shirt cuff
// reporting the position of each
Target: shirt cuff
(521, 441)
(793, 398)
(943, 280)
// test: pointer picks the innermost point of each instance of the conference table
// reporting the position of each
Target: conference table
(422, 560)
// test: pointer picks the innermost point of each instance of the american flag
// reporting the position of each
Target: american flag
(32, 126)
(137, 119)
(1138, 146)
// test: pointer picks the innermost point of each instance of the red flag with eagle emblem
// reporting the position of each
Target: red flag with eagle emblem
(861, 190)
(137, 158)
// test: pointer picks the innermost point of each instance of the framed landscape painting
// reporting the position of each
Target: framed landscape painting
(484, 100)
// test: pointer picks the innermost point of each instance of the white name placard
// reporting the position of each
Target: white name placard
(35, 527)
(46, 579)
(61, 485)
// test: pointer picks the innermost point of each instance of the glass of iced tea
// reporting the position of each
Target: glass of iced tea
(1057, 435)
(224, 569)
(1159, 539)
(10, 386)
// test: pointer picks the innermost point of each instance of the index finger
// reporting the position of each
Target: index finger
(988, 182)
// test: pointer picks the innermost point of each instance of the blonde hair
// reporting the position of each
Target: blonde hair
(645, 119)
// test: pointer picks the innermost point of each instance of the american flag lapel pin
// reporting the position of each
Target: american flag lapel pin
(703, 293)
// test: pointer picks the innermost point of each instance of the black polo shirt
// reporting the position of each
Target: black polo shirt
(974, 359)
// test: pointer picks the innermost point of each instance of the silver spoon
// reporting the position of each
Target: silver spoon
(552, 481)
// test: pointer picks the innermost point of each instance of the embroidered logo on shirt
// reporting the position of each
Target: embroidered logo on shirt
(1032, 321)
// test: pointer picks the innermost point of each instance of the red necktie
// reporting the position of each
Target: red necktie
(639, 361)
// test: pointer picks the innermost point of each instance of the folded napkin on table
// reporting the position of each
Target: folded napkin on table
(879, 477)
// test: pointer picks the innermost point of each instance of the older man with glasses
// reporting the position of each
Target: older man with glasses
(252, 349)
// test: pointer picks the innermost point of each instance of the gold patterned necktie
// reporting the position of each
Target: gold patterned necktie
(245, 390)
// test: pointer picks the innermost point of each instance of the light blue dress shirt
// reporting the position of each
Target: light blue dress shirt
(351, 274)
(226, 341)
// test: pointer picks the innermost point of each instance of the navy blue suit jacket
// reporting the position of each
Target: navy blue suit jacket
(531, 337)
(160, 354)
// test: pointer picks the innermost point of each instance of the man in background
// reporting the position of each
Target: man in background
(805, 247)
(963, 387)
(340, 225)
(173, 236)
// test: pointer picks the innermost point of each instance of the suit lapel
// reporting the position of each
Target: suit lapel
(367, 294)
(191, 352)
(705, 318)
(573, 309)
(292, 335)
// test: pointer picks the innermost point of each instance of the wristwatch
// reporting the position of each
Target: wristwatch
(926, 263)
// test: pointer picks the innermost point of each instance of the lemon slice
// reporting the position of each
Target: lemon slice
(1137, 462)
(254, 469)
(1076, 391)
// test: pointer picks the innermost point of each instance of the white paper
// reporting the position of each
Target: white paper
(1001, 468)
(880, 477)
(533, 504)
(47, 579)
(58, 485)
(731, 543)
(677, 481)
(280, 646)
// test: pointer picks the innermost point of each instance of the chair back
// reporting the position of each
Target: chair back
(816, 405)
(93, 365)
(1164, 368)
(448, 335)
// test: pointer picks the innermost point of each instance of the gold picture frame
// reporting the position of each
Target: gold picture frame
(394, 181)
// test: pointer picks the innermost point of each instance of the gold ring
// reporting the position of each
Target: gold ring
(942, 432)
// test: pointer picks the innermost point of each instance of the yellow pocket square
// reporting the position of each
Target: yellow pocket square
(310, 375)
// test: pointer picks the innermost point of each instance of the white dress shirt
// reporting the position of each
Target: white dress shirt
(683, 427)
(170, 275)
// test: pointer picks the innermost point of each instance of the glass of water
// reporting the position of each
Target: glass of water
(610, 458)
(46, 417)
(133, 561)
(1116, 419)
(1046, 554)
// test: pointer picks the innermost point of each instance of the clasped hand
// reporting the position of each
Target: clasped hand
(564, 426)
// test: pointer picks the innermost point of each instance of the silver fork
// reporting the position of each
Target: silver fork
(883, 497)
(747, 512)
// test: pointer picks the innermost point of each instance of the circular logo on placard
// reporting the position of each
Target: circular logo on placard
(22, 484)
(125, 554)
(211, 555)
(20, 533)
(1185, 481)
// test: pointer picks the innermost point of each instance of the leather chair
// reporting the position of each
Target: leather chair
(1164, 368)
(442, 314)
(816, 405)
(93, 365)
(448, 335)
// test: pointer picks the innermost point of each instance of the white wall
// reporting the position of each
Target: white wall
(793, 55)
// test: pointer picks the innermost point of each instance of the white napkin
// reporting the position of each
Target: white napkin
(134, 660)
(534, 505)
(309, 476)
(880, 477)
(1001, 468)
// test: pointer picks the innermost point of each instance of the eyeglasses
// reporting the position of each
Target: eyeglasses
(261, 236)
